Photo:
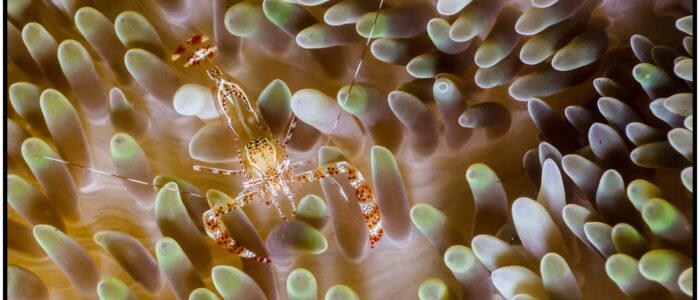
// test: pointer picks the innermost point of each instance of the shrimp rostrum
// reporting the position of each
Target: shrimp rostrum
(266, 167)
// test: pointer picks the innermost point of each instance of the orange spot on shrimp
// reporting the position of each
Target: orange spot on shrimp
(180, 49)
(195, 40)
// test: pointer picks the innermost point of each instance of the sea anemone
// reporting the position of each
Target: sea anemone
(572, 121)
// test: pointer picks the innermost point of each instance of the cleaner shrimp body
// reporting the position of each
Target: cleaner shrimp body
(267, 170)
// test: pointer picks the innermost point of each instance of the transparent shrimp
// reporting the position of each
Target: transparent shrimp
(267, 169)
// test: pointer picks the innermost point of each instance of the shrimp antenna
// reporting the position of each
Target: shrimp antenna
(357, 70)
(72, 164)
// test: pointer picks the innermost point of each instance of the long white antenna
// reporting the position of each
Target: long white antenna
(114, 175)
(357, 71)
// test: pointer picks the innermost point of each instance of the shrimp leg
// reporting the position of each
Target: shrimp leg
(215, 227)
(363, 193)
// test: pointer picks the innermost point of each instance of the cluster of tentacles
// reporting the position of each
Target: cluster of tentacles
(572, 120)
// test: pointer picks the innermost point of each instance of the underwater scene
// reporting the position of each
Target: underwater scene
(350, 149)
